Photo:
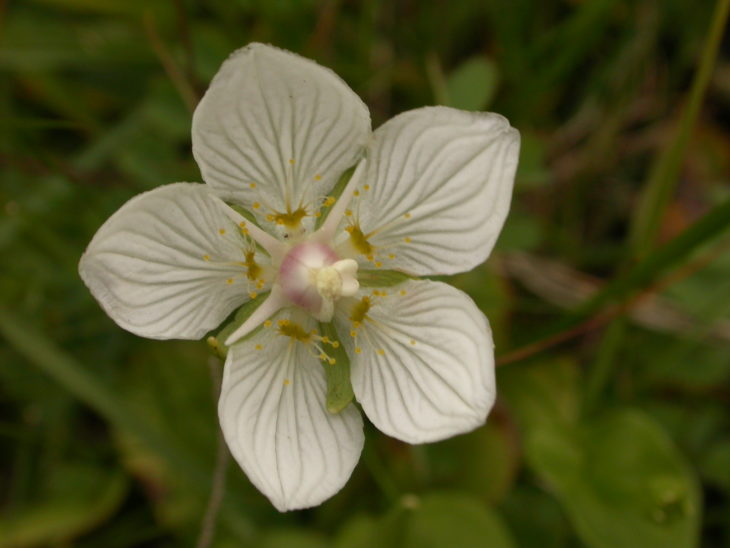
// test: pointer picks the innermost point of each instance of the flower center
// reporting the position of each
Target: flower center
(314, 277)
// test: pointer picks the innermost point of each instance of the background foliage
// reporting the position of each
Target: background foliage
(609, 292)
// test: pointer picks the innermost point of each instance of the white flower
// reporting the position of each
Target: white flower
(272, 136)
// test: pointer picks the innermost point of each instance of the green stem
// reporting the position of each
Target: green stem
(665, 172)
(604, 365)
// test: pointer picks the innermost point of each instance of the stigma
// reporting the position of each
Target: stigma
(313, 277)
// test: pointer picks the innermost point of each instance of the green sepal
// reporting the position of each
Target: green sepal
(336, 192)
(339, 387)
(245, 213)
(242, 314)
(381, 278)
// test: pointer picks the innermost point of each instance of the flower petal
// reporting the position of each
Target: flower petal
(272, 411)
(167, 263)
(277, 129)
(436, 191)
(422, 361)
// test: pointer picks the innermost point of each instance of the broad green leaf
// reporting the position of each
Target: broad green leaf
(453, 519)
(86, 385)
(339, 387)
(81, 497)
(481, 463)
(292, 538)
(617, 475)
(434, 520)
(621, 480)
(356, 533)
(473, 84)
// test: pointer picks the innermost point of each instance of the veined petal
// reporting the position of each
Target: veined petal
(436, 191)
(275, 131)
(422, 360)
(169, 263)
(273, 414)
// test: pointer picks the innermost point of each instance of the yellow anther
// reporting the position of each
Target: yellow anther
(348, 212)
(229, 281)
(206, 257)
(356, 193)
(325, 339)
(323, 356)
(349, 229)
(366, 187)
(381, 351)
(286, 382)
(407, 215)
(403, 292)
(252, 185)
(242, 224)
(332, 361)
(267, 323)
(253, 294)
(413, 343)
(391, 256)
(407, 240)
(318, 177)
(329, 201)
(221, 231)
(353, 333)
(358, 350)
(258, 347)
(256, 205)
(295, 331)
(378, 264)
(371, 257)
(318, 214)
(270, 218)
(291, 161)
(335, 344)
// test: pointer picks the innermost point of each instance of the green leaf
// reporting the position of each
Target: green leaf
(293, 538)
(80, 497)
(453, 519)
(482, 462)
(381, 278)
(434, 520)
(339, 387)
(356, 533)
(617, 475)
(87, 386)
(621, 480)
(473, 84)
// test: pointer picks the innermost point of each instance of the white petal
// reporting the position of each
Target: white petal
(437, 189)
(276, 127)
(273, 303)
(273, 414)
(160, 266)
(425, 366)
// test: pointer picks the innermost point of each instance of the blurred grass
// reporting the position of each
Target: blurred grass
(606, 426)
